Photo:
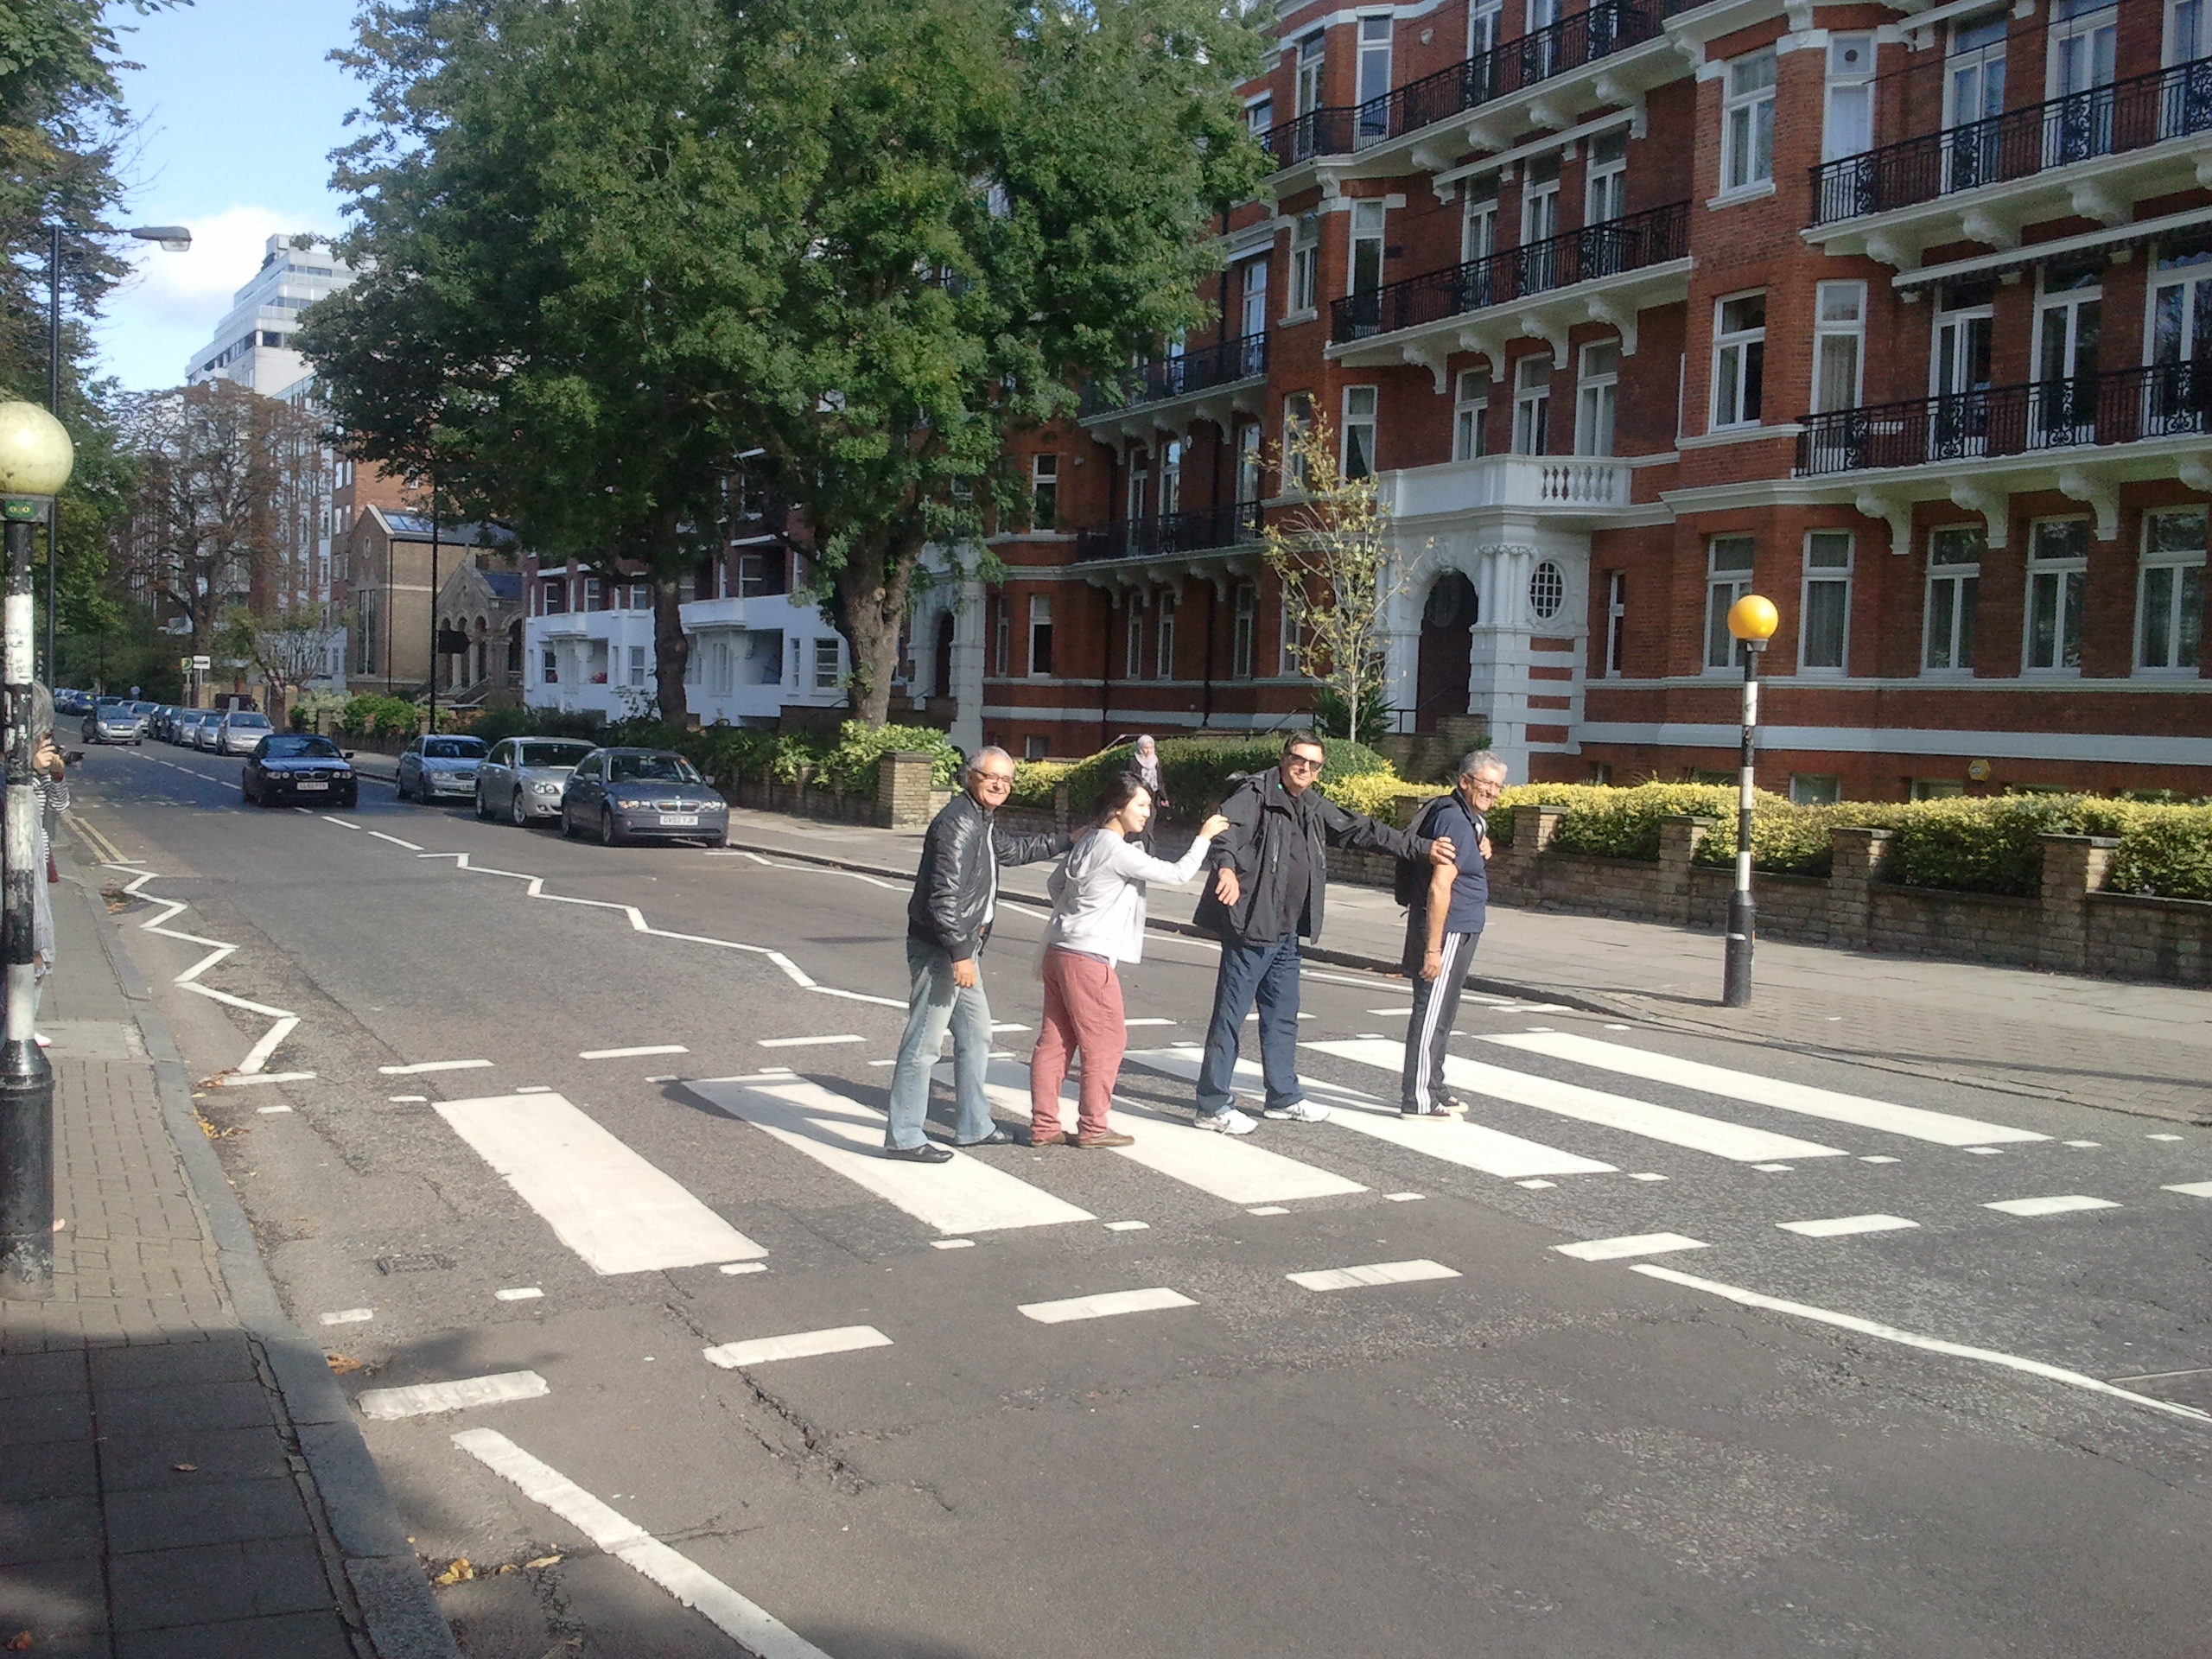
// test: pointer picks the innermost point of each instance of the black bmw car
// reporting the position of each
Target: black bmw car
(300, 770)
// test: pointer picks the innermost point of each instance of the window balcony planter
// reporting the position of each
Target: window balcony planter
(1173, 393)
(2094, 154)
(1204, 530)
(1602, 272)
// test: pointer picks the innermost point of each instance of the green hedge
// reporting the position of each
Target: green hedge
(1965, 844)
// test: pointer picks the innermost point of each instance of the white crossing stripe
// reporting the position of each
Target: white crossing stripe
(386, 1405)
(2058, 1205)
(519, 1294)
(633, 1053)
(1469, 1146)
(432, 1066)
(1105, 1305)
(1943, 1128)
(1379, 1272)
(349, 1316)
(1842, 1224)
(2193, 1189)
(622, 1538)
(1612, 1249)
(809, 1042)
(602, 1199)
(1712, 1134)
(1221, 1164)
(963, 1195)
(805, 1344)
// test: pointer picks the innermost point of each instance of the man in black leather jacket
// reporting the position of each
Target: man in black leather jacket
(948, 920)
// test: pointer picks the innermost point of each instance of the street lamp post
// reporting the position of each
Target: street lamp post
(1751, 620)
(35, 456)
(176, 238)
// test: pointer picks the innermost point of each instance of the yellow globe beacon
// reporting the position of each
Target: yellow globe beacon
(1753, 618)
(36, 454)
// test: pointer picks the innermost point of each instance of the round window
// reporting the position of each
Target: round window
(1547, 591)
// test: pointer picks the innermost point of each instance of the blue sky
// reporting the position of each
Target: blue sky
(238, 112)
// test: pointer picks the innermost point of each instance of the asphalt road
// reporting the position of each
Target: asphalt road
(1939, 1442)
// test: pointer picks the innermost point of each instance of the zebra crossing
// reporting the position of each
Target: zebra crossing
(622, 1214)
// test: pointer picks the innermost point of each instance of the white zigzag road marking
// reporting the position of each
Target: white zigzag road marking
(286, 1021)
(534, 887)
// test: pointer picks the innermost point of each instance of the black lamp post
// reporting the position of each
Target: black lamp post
(1751, 620)
(35, 457)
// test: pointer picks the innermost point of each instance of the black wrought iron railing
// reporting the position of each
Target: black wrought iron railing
(2018, 144)
(1571, 43)
(1242, 359)
(2118, 406)
(1650, 237)
(1231, 524)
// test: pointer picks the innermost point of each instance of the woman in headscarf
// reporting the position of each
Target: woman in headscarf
(1144, 767)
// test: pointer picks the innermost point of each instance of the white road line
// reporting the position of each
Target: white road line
(1469, 1146)
(1943, 1128)
(2058, 1205)
(809, 1042)
(1772, 1169)
(386, 1405)
(286, 1021)
(396, 841)
(806, 1344)
(734, 1268)
(2162, 1137)
(1843, 1226)
(524, 1088)
(519, 1293)
(272, 1111)
(964, 1196)
(241, 1080)
(1379, 1272)
(1147, 1022)
(952, 1243)
(349, 1316)
(343, 824)
(602, 1199)
(622, 1538)
(1223, 1166)
(432, 1066)
(1932, 1344)
(1104, 1306)
(1535, 1185)
(633, 1053)
(1614, 1249)
(1127, 1226)
(1268, 1209)
(2192, 1189)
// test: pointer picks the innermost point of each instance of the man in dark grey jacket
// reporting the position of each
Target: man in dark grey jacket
(948, 920)
(1270, 881)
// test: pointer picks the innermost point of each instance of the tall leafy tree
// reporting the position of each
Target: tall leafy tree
(616, 244)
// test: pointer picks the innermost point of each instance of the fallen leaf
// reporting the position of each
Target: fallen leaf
(543, 1561)
(186, 1468)
(20, 1641)
(342, 1363)
(456, 1571)
(61, 1222)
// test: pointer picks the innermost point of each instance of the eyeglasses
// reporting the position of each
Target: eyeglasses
(1302, 763)
(1003, 780)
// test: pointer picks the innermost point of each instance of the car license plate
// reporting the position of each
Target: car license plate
(679, 820)
(305, 784)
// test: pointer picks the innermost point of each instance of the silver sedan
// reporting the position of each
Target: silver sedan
(522, 778)
(240, 730)
(435, 766)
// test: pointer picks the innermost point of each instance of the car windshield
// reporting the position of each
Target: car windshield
(302, 748)
(652, 769)
(253, 722)
(453, 748)
(550, 755)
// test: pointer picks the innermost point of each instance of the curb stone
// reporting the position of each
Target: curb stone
(394, 1600)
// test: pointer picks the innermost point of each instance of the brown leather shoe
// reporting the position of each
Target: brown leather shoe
(1048, 1138)
(1108, 1137)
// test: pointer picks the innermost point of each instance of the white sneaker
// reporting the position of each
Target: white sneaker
(1298, 1111)
(1227, 1121)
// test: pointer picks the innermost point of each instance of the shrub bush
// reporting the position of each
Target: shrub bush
(1036, 781)
(851, 768)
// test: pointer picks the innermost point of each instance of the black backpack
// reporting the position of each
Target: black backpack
(1410, 882)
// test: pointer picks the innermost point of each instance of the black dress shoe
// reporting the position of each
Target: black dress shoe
(995, 1138)
(928, 1153)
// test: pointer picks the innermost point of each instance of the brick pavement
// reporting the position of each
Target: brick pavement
(2131, 1047)
(178, 1473)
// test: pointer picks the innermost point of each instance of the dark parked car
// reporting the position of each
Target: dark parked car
(431, 767)
(623, 795)
(522, 778)
(300, 769)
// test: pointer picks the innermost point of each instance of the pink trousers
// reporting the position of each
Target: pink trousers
(1083, 1010)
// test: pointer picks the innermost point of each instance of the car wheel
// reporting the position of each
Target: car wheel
(567, 825)
(610, 834)
(353, 799)
(518, 814)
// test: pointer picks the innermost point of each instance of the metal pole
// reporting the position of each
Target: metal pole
(434, 604)
(1742, 916)
(26, 1080)
(52, 408)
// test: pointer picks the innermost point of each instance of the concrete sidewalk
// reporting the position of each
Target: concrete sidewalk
(180, 1473)
(2143, 1049)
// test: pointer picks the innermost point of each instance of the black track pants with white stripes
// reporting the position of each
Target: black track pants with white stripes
(1436, 1006)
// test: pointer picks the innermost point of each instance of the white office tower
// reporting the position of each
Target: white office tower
(253, 345)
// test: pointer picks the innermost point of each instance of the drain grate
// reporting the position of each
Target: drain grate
(421, 1261)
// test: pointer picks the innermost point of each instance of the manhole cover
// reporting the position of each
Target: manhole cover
(424, 1262)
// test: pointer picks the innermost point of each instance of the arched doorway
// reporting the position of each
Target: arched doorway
(941, 661)
(1447, 623)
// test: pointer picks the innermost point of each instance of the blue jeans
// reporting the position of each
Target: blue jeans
(935, 1005)
(1266, 973)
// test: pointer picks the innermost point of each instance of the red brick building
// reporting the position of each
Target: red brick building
(1898, 314)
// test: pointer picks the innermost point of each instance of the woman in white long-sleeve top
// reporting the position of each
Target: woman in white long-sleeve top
(1099, 912)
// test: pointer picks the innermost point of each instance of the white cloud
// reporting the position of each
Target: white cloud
(169, 309)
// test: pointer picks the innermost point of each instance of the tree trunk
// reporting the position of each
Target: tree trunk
(871, 602)
(671, 654)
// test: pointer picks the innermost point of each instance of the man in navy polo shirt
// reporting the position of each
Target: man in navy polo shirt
(1442, 927)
